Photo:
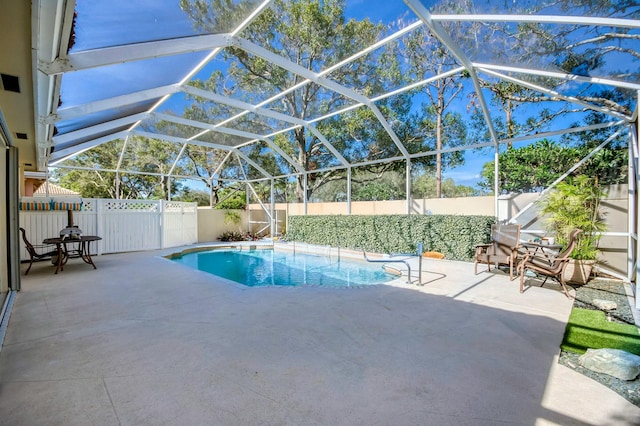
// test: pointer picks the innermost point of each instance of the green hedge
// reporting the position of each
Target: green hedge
(455, 236)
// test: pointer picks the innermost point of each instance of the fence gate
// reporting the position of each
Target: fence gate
(124, 225)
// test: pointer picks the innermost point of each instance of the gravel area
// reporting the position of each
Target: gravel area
(607, 290)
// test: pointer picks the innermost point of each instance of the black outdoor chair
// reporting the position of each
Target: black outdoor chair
(39, 251)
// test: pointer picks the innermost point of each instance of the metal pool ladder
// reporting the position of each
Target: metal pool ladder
(419, 254)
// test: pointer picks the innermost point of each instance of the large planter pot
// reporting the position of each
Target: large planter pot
(578, 271)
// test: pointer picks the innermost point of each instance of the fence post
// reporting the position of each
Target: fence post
(99, 206)
(161, 222)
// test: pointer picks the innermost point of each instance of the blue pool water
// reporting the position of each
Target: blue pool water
(257, 268)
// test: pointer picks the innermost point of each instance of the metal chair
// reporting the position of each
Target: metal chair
(39, 251)
(549, 266)
(502, 250)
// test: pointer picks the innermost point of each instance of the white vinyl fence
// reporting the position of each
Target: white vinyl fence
(124, 225)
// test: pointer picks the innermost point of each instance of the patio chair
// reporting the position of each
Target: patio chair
(37, 252)
(549, 266)
(502, 250)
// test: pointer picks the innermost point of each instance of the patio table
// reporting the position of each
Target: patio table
(548, 251)
(73, 247)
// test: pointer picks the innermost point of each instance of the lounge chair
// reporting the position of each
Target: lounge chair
(37, 252)
(549, 266)
(502, 250)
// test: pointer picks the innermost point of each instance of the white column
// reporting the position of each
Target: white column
(117, 185)
(631, 203)
(496, 179)
(274, 225)
(636, 174)
(304, 194)
(408, 186)
(348, 190)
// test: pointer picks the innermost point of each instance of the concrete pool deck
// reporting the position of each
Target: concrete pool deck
(145, 341)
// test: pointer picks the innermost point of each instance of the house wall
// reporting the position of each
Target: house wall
(461, 206)
(211, 224)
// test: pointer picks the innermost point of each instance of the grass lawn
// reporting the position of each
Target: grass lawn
(589, 328)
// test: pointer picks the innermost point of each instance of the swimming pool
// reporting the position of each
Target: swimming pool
(266, 267)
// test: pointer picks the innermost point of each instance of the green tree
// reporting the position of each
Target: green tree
(573, 48)
(368, 186)
(575, 204)
(232, 198)
(190, 195)
(534, 167)
(313, 35)
(427, 56)
(93, 182)
(424, 186)
(508, 97)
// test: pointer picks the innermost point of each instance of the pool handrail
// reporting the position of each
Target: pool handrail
(364, 253)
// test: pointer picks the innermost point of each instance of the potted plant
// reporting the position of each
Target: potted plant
(575, 203)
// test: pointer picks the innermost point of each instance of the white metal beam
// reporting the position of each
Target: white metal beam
(555, 94)
(283, 154)
(385, 124)
(294, 68)
(632, 213)
(329, 145)
(635, 140)
(133, 52)
(64, 154)
(242, 105)
(408, 186)
(571, 170)
(420, 83)
(175, 163)
(539, 135)
(418, 8)
(110, 103)
(98, 128)
(206, 126)
(252, 163)
(179, 140)
(322, 81)
(349, 190)
(126, 172)
(252, 137)
(219, 168)
(543, 19)
(51, 23)
(122, 152)
(560, 75)
(257, 11)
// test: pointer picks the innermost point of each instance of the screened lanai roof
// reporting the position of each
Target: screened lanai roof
(121, 73)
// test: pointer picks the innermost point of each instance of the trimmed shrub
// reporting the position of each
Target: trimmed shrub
(231, 236)
(453, 235)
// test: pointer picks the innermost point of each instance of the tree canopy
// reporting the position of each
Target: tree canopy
(534, 167)
(316, 35)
